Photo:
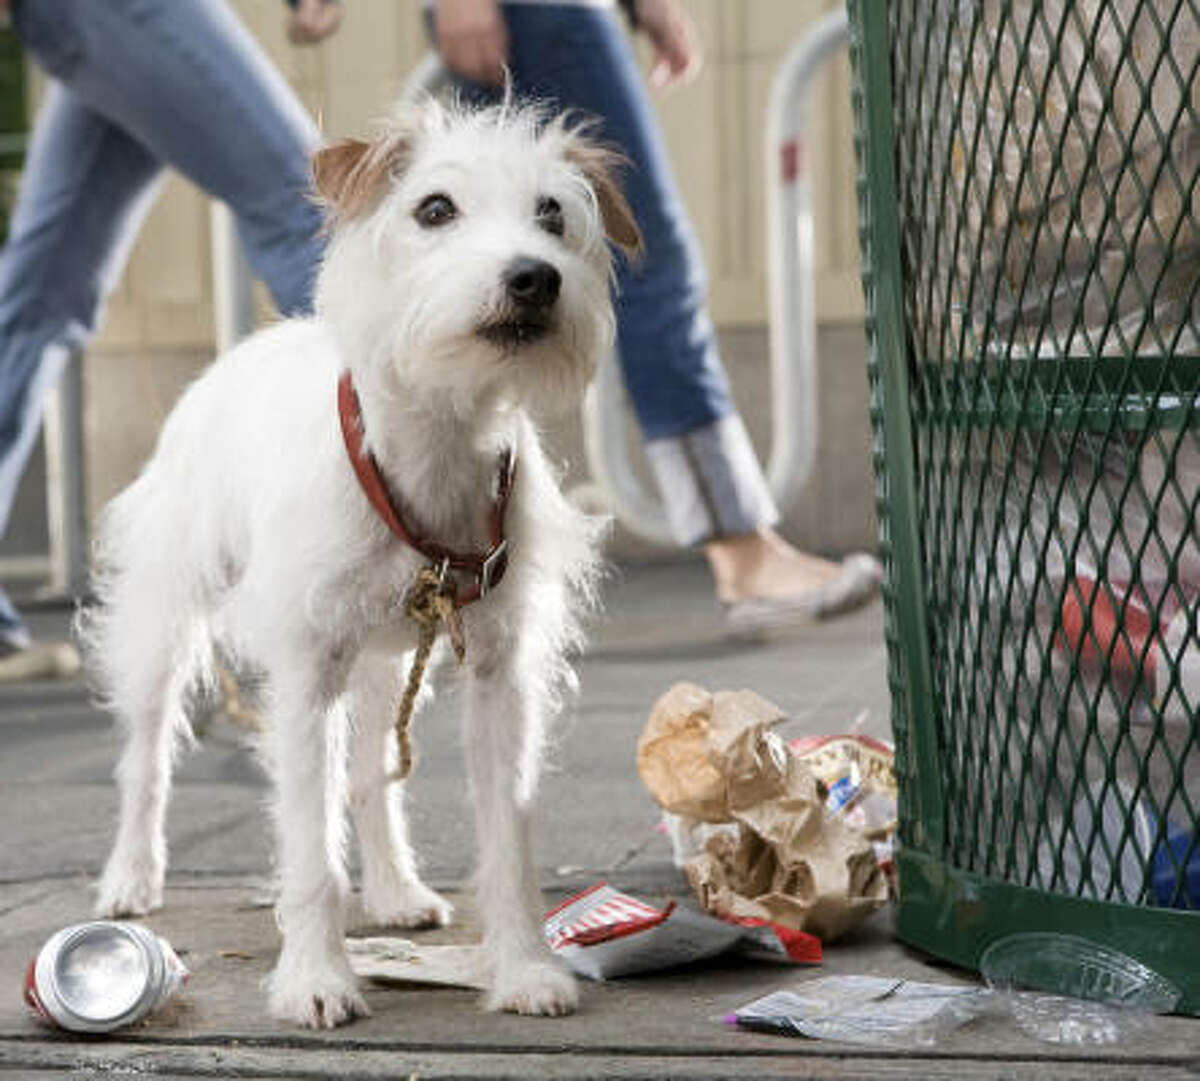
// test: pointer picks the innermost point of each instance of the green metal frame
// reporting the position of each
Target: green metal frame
(963, 887)
(894, 463)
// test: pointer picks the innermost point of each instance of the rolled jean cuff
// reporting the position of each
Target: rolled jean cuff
(711, 482)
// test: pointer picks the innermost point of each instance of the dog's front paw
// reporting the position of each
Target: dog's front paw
(128, 891)
(534, 987)
(411, 905)
(320, 998)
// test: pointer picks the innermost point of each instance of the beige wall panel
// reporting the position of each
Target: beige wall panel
(366, 62)
(164, 298)
(716, 132)
(772, 26)
(174, 271)
(122, 321)
(127, 395)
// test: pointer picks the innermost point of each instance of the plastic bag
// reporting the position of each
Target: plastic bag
(874, 1010)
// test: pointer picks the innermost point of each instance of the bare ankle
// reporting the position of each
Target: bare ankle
(737, 562)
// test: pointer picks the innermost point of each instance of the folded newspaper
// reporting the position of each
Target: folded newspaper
(400, 960)
(603, 933)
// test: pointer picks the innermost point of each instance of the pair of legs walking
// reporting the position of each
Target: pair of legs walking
(138, 85)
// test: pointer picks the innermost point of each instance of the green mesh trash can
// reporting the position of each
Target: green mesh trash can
(1030, 217)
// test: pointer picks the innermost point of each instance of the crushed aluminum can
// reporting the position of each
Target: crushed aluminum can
(101, 976)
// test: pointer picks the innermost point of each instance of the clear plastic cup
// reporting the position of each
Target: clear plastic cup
(1066, 989)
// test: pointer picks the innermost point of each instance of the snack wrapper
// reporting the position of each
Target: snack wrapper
(603, 933)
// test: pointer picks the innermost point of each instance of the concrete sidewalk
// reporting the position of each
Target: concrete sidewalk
(594, 822)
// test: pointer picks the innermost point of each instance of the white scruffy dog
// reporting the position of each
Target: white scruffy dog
(466, 286)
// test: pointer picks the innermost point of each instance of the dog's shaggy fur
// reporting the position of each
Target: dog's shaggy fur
(248, 528)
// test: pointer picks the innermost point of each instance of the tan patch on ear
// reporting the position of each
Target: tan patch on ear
(352, 175)
(600, 165)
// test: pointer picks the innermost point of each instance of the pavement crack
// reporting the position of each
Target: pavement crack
(32, 899)
(189, 841)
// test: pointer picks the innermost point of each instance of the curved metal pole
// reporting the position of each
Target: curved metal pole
(792, 310)
(791, 279)
(615, 486)
(428, 79)
(232, 282)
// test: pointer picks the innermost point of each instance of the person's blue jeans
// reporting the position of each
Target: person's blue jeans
(577, 57)
(138, 85)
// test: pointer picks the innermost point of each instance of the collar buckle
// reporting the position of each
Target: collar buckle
(492, 569)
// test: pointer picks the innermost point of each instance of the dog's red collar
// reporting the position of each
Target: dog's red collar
(485, 568)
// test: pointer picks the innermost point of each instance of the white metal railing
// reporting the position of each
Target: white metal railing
(232, 284)
(66, 502)
(791, 279)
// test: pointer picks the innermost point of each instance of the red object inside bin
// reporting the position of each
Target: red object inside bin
(1095, 628)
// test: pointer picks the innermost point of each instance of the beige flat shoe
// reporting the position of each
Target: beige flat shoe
(42, 660)
(856, 582)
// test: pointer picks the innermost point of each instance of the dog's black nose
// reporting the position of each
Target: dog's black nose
(532, 283)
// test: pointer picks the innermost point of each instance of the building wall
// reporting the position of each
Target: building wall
(159, 328)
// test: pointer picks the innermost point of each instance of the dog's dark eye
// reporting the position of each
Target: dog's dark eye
(435, 210)
(550, 215)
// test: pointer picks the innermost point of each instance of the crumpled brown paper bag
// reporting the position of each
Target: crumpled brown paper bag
(714, 758)
(702, 753)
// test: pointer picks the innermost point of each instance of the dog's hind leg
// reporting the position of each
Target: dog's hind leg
(312, 982)
(148, 692)
(503, 715)
(392, 892)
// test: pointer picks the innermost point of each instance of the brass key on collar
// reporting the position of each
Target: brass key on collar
(428, 603)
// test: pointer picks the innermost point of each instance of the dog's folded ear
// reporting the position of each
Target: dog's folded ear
(601, 165)
(352, 175)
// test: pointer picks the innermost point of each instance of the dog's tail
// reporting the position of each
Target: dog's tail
(145, 640)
